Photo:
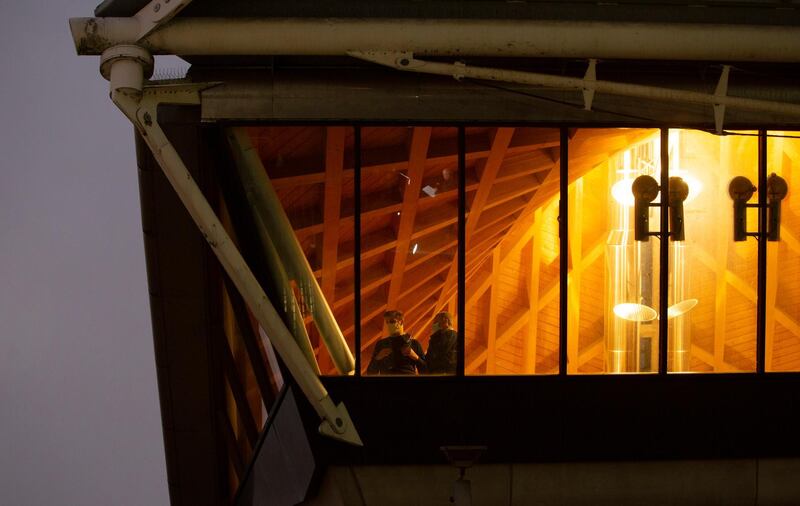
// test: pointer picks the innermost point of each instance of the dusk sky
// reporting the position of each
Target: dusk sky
(80, 421)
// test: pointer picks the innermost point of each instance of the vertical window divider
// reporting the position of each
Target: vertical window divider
(663, 272)
(761, 298)
(462, 247)
(563, 245)
(357, 245)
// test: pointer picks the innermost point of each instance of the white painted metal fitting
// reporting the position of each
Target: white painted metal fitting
(126, 67)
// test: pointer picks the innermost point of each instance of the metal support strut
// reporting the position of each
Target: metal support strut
(125, 68)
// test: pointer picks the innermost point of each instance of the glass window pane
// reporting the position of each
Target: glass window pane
(613, 279)
(512, 260)
(713, 280)
(310, 169)
(409, 234)
(783, 259)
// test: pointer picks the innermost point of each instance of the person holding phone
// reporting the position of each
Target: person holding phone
(398, 352)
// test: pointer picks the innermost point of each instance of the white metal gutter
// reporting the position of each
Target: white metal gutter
(445, 37)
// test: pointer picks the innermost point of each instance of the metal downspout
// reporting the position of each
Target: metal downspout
(125, 68)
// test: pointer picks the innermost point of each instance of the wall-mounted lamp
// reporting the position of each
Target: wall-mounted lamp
(645, 189)
(678, 191)
(776, 191)
(741, 190)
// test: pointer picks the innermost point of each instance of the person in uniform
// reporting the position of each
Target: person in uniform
(398, 353)
(442, 353)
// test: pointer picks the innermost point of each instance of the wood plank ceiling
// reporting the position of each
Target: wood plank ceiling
(409, 234)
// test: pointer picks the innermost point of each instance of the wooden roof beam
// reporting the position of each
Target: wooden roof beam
(500, 143)
(418, 153)
(334, 160)
(305, 171)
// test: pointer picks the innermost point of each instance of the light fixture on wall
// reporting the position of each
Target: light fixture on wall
(776, 191)
(644, 190)
(741, 190)
(462, 457)
(678, 192)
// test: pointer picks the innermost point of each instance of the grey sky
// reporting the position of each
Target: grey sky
(79, 414)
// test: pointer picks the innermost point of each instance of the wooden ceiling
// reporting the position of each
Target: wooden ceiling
(409, 236)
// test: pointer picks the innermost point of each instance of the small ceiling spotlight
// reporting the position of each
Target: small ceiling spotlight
(741, 190)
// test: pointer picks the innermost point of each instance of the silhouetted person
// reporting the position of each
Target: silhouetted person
(398, 353)
(442, 353)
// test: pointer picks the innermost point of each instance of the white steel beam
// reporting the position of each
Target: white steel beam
(446, 37)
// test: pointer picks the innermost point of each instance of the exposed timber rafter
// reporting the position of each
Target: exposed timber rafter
(420, 139)
(500, 143)
(334, 161)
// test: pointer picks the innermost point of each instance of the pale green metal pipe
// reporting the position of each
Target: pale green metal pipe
(269, 209)
(282, 287)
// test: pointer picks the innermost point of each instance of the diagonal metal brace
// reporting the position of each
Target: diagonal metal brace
(143, 113)
(157, 13)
